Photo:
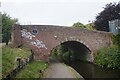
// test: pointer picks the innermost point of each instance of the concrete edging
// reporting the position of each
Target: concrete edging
(74, 72)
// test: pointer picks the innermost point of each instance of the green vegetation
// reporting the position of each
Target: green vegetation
(61, 52)
(54, 53)
(110, 12)
(80, 25)
(116, 40)
(109, 57)
(90, 26)
(32, 70)
(9, 55)
(66, 56)
(7, 23)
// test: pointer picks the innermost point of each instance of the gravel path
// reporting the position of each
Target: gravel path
(59, 70)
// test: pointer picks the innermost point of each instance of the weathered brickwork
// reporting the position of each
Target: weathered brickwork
(43, 38)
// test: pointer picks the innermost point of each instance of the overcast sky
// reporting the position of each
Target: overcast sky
(54, 12)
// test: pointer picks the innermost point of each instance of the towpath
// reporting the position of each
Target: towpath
(60, 70)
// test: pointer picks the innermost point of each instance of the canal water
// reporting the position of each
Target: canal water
(89, 70)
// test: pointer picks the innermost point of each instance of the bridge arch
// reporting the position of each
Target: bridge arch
(78, 50)
(76, 40)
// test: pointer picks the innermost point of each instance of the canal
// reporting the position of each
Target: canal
(78, 56)
(89, 70)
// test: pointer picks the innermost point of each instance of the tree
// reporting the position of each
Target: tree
(78, 25)
(111, 11)
(7, 23)
(90, 26)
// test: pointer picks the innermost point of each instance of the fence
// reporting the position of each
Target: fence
(20, 66)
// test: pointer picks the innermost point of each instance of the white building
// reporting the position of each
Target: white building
(114, 26)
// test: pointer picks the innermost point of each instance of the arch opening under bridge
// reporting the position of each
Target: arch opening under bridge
(71, 51)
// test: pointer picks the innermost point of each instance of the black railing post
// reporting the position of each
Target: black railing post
(19, 62)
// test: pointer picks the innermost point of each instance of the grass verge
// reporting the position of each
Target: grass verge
(9, 55)
(32, 70)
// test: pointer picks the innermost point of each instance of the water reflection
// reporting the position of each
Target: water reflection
(88, 70)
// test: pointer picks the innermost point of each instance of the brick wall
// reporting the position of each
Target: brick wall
(47, 37)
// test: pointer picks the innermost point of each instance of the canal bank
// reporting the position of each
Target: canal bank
(60, 70)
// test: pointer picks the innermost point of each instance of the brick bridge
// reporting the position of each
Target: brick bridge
(43, 38)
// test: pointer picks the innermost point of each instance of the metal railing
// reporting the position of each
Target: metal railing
(20, 66)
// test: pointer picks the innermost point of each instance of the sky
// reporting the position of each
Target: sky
(54, 12)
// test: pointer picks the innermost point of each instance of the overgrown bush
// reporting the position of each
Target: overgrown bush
(54, 53)
(116, 40)
(108, 57)
(61, 52)
(65, 57)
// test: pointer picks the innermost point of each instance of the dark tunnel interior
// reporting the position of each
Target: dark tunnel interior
(77, 51)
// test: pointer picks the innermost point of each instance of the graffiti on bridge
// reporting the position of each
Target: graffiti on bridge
(34, 42)
(39, 44)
